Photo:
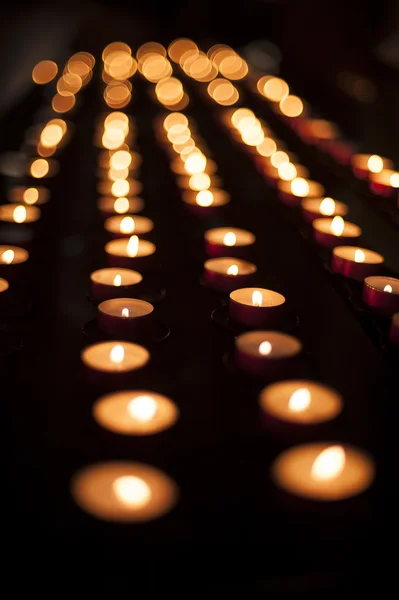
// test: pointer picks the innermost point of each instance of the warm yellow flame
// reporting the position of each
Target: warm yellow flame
(121, 205)
(120, 160)
(125, 312)
(337, 225)
(265, 348)
(291, 106)
(267, 148)
(127, 225)
(388, 288)
(287, 171)
(299, 400)
(132, 491)
(132, 246)
(142, 408)
(394, 180)
(120, 187)
(230, 239)
(204, 198)
(195, 163)
(276, 89)
(7, 257)
(39, 168)
(30, 195)
(327, 207)
(51, 135)
(232, 270)
(257, 298)
(300, 187)
(375, 164)
(117, 354)
(199, 182)
(360, 256)
(329, 464)
(117, 280)
(279, 158)
(19, 214)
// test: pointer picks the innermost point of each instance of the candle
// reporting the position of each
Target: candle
(109, 205)
(266, 353)
(135, 412)
(285, 172)
(394, 330)
(323, 472)
(12, 259)
(227, 274)
(335, 232)
(127, 225)
(205, 202)
(178, 167)
(128, 252)
(19, 213)
(4, 287)
(120, 187)
(125, 317)
(382, 294)
(256, 307)
(113, 361)
(297, 406)
(292, 192)
(313, 208)
(123, 492)
(29, 195)
(222, 241)
(42, 167)
(105, 157)
(365, 164)
(384, 182)
(356, 263)
(109, 283)
(198, 182)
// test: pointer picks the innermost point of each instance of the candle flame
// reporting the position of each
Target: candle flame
(375, 164)
(360, 256)
(117, 280)
(230, 239)
(132, 246)
(265, 348)
(287, 171)
(125, 312)
(257, 298)
(132, 491)
(299, 400)
(337, 225)
(30, 195)
(7, 257)
(117, 354)
(388, 288)
(300, 187)
(127, 225)
(232, 270)
(394, 180)
(121, 205)
(19, 214)
(142, 408)
(329, 464)
(327, 207)
(204, 198)
(195, 163)
(199, 182)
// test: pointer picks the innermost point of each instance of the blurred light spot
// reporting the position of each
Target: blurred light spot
(276, 89)
(44, 72)
(291, 106)
(178, 47)
(64, 103)
(267, 147)
(39, 168)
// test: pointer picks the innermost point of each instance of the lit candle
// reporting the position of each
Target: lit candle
(109, 205)
(292, 192)
(295, 407)
(129, 252)
(125, 317)
(335, 232)
(356, 263)
(268, 354)
(127, 225)
(198, 182)
(256, 307)
(19, 213)
(323, 471)
(222, 241)
(382, 294)
(12, 259)
(120, 187)
(113, 360)
(43, 167)
(4, 287)
(178, 167)
(285, 172)
(109, 283)
(394, 330)
(124, 492)
(313, 208)
(365, 164)
(205, 202)
(384, 183)
(135, 412)
(228, 274)
(29, 195)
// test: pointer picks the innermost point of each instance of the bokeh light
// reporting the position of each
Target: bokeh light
(44, 72)
(291, 106)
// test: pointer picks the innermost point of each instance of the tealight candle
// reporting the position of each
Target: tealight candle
(29, 195)
(285, 172)
(178, 167)
(124, 492)
(323, 472)
(198, 182)
(297, 406)
(365, 164)
(127, 225)
(109, 361)
(256, 307)
(109, 283)
(105, 159)
(205, 202)
(43, 167)
(125, 317)
(12, 259)
(266, 353)
(222, 241)
(356, 263)
(227, 274)
(335, 232)
(120, 187)
(394, 330)
(128, 252)
(109, 205)
(384, 183)
(135, 412)
(382, 294)
(292, 192)
(314, 208)
(19, 213)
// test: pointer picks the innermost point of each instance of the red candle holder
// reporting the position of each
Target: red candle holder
(382, 294)
(256, 307)
(109, 283)
(335, 232)
(366, 165)
(227, 274)
(356, 263)
(125, 317)
(221, 241)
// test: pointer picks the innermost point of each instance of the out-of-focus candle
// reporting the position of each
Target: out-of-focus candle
(285, 172)
(356, 263)
(365, 164)
(115, 357)
(323, 472)
(227, 274)
(268, 354)
(292, 192)
(127, 225)
(394, 330)
(129, 252)
(382, 294)
(12, 259)
(125, 317)
(335, 232)
(109, 205)
(256, 307)
(113, 283)
(314, 208)
(205, 202)
(120, 187)
(19, 213)
(177, 167)
(222, 241)
(384, 183)
(29, 195)
(137, 412)
(124, 492)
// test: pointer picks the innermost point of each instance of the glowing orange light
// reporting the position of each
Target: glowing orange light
(375, 164)
(114, 174)
(127, 225)
(115, 47)
(120, 187)
(299, 400)
(150, 48)
(117, 354)
(169, 91)
(329, 464)
(195, 163)
(276, 89)
(133, 246)
(388, 288)
(69, 83)
(204, 198)
(233, 67)
(178, 47)
(287, 171)
(232, 270)
(267, 147)
(121, 205)
(327, 207)
(265, 348)
(230, 239)
(7, 257)
(39, 168)
(291, 106)
(63, 103)
(132, 491)
(337, 225)
(257, 298)
(156, 67)
(175, 119)
(30, 196)
(360, 256)
(142, 408)
(51, 135)
(19, 214)
(120, 160)
(253, 135)
(44, 71)
(299, 187)
(125, 313)
(199, 182)
(112, 138)
(279, 158)
(223, 92)
(117, 280)
(239, 114)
